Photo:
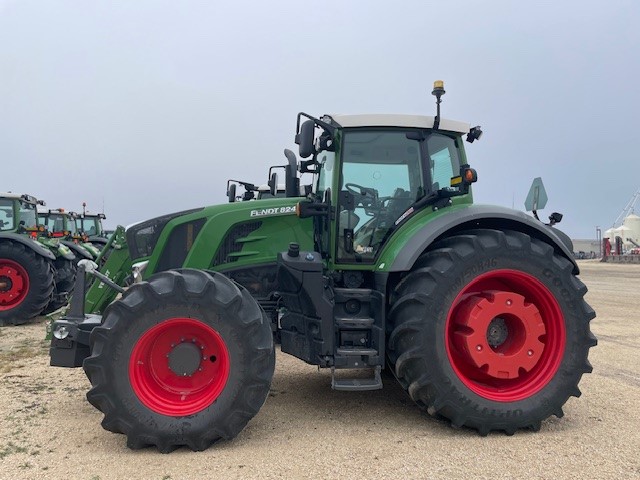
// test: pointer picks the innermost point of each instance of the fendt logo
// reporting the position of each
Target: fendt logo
(273, 211)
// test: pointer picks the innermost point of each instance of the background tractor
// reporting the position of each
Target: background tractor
(61, 225)
(90, 225)
(27, 259)
(386, 264)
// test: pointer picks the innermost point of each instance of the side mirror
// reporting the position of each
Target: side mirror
(273, 184)
(554, 218)
(305, 139)
(231, 193)
(474, 134)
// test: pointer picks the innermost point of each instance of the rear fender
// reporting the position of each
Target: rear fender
(29, 242)
(401, 257)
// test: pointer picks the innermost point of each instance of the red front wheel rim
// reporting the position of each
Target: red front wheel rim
(14, 284)
(179, 367)
(505, 335)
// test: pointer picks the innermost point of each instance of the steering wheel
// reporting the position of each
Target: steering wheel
(360, 190)
(367, 197)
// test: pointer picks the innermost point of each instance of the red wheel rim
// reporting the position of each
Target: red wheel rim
(505, 335)
(14, 284)
(179, 367)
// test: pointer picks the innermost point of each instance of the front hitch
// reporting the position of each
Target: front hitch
(70, 334)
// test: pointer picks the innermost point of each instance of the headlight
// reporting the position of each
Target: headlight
(61, 332)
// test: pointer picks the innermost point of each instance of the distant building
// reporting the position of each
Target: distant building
(586, 248)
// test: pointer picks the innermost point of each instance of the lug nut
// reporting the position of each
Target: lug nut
(509, 302)
(479, 348)
(530, 353)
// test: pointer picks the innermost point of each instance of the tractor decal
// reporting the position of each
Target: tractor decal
(290, 210)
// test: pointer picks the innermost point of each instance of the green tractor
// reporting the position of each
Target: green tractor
(30, 263)
(387, 264)
(90, 225)
(61, 225)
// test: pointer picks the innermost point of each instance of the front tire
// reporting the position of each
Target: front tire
(490, 330)
(183, 359)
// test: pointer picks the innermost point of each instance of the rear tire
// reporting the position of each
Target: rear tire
(185, 358)
(26, 283)
(490, 330)
(64, 281)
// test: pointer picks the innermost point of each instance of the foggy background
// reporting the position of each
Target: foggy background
(148, 107)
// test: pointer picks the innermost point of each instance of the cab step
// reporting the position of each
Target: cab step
(357, 384)
(356, 351)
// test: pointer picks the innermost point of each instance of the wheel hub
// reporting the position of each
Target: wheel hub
(499, 334)
(184, 359)
(5, 284)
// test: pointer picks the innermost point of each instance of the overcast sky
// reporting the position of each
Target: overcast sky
(148, 107)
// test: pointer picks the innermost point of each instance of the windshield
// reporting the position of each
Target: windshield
(28, 216)
(382, 175)
(444, 160)
(6, 214)
(384, 172)
(54, 222)
(90, 226)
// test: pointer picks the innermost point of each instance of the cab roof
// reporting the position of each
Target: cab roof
(397, 120)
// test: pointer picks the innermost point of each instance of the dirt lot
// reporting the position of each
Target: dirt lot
(306, 430)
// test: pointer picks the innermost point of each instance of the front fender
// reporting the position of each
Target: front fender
(77, 250)
(29, 242)
(402, 252)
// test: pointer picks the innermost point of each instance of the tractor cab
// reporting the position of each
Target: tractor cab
(90, 224)
(58, 223)
(18, 213)
(380, 171)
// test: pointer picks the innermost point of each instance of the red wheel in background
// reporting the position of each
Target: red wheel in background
(14, 284)
(26, 282)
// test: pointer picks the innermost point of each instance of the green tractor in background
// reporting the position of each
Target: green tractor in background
(90, 225)
(61, 225)
(386, 264)
(30, 262)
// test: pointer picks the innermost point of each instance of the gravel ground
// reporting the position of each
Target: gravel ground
(306, 430)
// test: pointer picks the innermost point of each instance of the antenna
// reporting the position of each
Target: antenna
(438, 91)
